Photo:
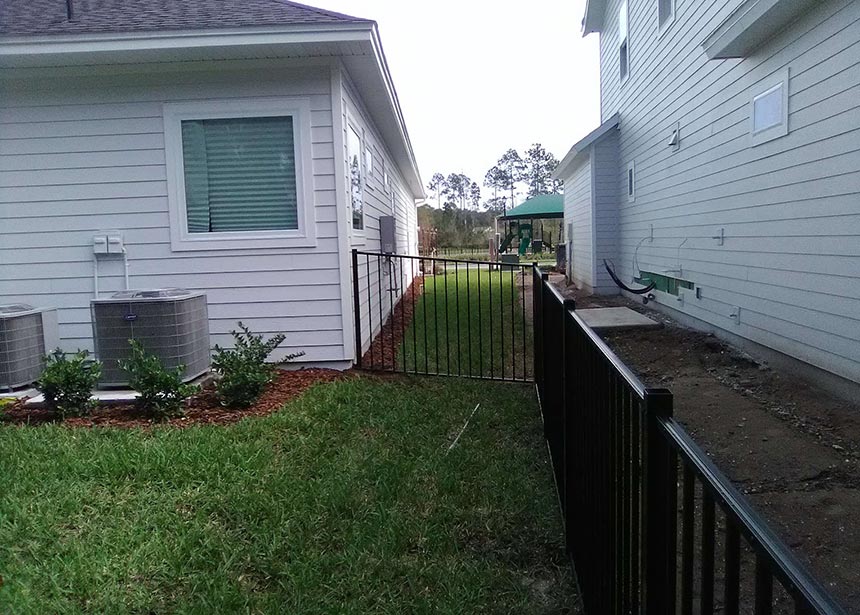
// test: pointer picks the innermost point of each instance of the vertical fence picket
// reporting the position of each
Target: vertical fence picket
(687, 536)
(707, 591)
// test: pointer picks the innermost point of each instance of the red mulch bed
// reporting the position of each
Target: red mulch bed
(202, 409)
(382, 353)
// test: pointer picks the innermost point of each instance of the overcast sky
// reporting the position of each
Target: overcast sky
(476, 77)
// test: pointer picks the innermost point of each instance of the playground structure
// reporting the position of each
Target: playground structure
(526, 230)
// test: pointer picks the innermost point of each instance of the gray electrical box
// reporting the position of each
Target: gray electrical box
(387, 242)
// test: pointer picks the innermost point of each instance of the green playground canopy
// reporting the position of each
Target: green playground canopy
(536, 208)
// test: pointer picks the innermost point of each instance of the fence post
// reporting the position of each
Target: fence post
(537, 328)
(567, 423)
(660, 506)
(545, 396)
(356, 308)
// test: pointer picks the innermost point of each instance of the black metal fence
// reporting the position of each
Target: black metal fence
(422, 315)
(641, 539)
(470, 253)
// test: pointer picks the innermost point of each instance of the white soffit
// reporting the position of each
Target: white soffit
(751, 25)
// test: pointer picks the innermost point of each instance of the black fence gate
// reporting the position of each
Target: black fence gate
(440, 316)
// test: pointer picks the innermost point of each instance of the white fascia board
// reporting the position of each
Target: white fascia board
(593, 19)
(750, 26)
(411, 166)
(29, 47)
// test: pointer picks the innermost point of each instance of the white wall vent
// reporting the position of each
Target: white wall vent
(27, 334)
(171, 323)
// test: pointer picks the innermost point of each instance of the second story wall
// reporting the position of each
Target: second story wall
(788, 209)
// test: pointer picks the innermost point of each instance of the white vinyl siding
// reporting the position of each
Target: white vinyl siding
(376, 280)
(87, 153)
(787, 207)
(578, 213)
(605, 171)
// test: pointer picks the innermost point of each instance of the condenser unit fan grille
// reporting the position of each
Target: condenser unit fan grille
(173, 325)
(22, 346)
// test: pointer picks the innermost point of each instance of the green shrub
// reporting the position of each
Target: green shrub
(67, 382)
(161, 392)
(242, 371)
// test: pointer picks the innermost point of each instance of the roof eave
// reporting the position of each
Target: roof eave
(143, 47)
(27, 50)
(593, 19)
(412, 172)
(581, 147)
(751, 25)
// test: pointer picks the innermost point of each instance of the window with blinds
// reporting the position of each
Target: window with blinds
(240, 174)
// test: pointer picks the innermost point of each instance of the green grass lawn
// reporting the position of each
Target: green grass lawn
(469, 326)
(343, 502)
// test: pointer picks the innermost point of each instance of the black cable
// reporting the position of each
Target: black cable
(640, 291)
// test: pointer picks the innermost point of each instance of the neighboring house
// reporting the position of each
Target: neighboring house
(727, 170)
(239, 147)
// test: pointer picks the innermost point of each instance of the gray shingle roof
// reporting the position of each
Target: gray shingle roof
(45, 17)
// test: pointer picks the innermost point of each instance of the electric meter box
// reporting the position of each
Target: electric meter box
(387, 241)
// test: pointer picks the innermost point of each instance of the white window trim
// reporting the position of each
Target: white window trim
(625, 6)
(631, 197)
(296, 107)
(664, 27)
(358, 234)
(780, 130)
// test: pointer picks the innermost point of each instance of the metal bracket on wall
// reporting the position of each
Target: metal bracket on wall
(721, 238)
(736, 315)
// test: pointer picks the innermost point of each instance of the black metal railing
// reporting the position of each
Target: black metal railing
(422, 315)
(629, 478)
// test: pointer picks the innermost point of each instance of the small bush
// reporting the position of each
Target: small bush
(161, 392)
(67, 382)
(243, 372)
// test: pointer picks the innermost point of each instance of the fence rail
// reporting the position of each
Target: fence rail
(629, 478)
(440, 316)
(470, 251)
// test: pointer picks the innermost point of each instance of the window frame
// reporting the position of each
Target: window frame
(665, 25)
(299, 109)
(354, 126)
(764, 135)
(631, 195)
(624, 42)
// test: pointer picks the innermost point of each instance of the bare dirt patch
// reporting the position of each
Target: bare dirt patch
(793, 448)
(382, 353)
(202, 409)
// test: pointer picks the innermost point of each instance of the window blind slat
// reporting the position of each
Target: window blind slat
(196, 177)
(250, 173)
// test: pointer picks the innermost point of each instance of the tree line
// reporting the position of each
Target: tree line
(512, 175)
